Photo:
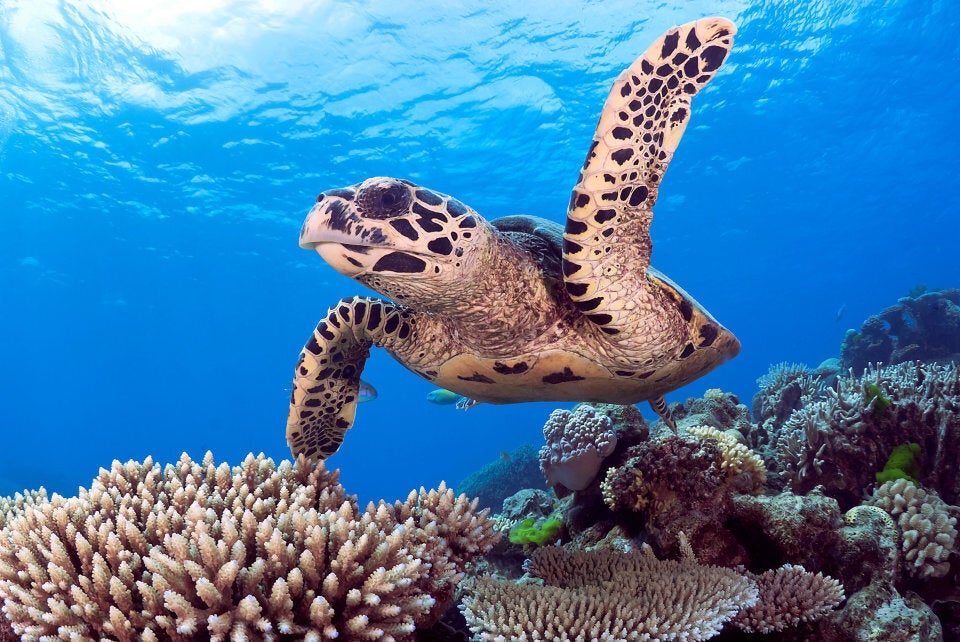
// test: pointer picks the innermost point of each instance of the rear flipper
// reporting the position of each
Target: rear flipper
(660, 407)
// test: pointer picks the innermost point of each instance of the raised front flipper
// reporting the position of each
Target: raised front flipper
(327, 380)
(607, 237)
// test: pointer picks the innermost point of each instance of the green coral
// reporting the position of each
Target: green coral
(873, 394)
(904, 463)
(529, 532)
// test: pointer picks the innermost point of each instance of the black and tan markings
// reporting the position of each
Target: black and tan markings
(523, 310)
(607, 237)
(327, 378)
(379, 212)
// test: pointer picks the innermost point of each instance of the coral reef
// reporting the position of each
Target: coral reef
(633, 595)
(784, 496)
(684, 483)
(925, 327)
(787, 528)
(880, 612)
(494, 482)
(736, 460)
(788, 596)
(716, 409)
(196, 551)
(576, 444)
(785, 388)
(841, 482)
(614, 595)
(838, 439)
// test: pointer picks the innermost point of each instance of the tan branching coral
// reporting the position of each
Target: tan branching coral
(196, 551)
(736, 458)
(10, 507)
(928, 534)
(624, 488)
(610, 594)
(789, 595)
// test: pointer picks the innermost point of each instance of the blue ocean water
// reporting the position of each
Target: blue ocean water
(157, 159)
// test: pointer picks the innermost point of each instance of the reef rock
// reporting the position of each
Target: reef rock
(924, 328)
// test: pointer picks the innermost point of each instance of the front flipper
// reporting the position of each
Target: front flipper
(607, 243)
(327, 380)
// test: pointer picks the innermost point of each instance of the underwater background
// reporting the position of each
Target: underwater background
(157, 160)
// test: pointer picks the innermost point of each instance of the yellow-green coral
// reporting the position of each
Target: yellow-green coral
(530, 532)
(903, 463)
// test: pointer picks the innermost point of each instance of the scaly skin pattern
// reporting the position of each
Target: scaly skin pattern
(607, 242)
(482, 312)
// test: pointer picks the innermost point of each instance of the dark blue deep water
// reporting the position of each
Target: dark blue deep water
(157, 159)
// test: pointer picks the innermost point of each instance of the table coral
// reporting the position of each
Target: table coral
(608, 594)
(612, 594)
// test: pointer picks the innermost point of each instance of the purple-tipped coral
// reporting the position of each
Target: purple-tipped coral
(577, 443)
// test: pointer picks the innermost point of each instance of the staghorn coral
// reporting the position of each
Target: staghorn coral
(928, 533)
(783, 390)
(195, 551)
(840, 440)
(610, 594)
(788, 596)
(577, 443)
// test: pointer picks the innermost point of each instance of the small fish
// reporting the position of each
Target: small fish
(504, 455)
(443, 397)
(367, 392)
(841, 311)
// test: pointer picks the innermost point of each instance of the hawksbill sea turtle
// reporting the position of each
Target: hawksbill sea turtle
(520, 308)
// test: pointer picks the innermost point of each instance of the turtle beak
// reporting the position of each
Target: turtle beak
(328, 222)
(311, 232)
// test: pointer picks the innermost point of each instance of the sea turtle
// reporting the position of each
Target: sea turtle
(521, 309)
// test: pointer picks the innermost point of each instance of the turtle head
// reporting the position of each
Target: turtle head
(402, 240)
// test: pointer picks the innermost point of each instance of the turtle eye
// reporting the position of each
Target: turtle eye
(384, 200)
